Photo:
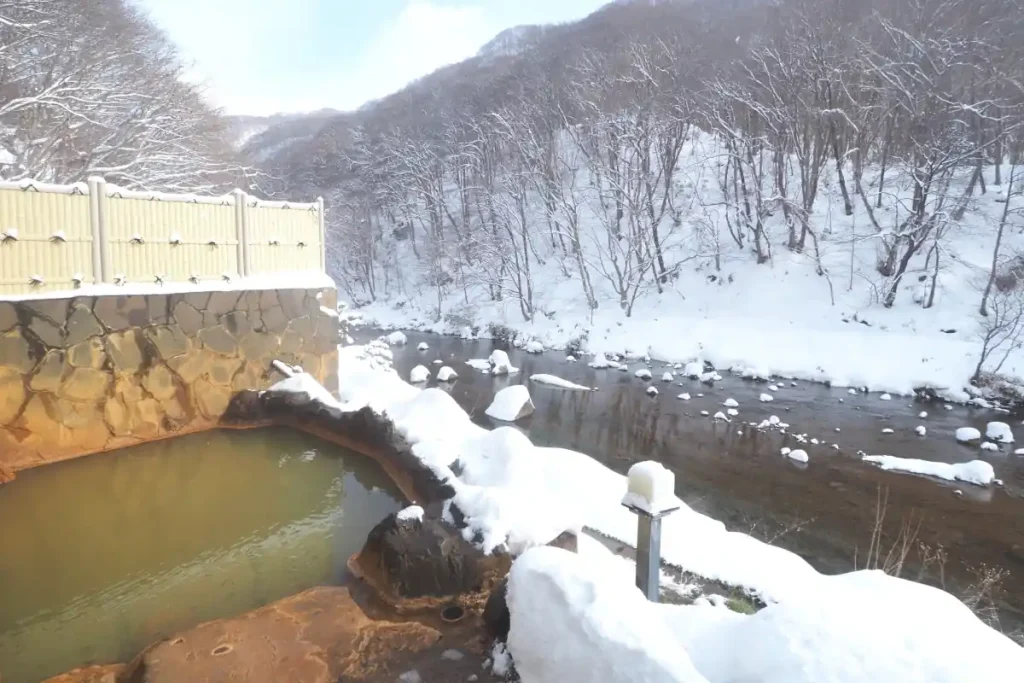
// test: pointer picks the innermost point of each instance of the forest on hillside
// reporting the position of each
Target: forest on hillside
(91, 87)
(581, 147)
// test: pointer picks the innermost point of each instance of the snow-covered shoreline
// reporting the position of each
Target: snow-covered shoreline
(517, 496)
(851, 356)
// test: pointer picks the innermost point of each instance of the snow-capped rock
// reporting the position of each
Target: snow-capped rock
(999, 431)
(921, 430)
(419, 374)
(730, 403)
(643, 373)
(534, 346)
(446, 374)
(967, 434)
(423, 346)
(667, 377)
(766, 398)
(799, 455)
(652, 391)
(511, 404)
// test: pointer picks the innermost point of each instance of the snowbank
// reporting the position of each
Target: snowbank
(515, 494)
(973, 472)
(511, 404)
(574, 622)
(575, 618)
(553, 381)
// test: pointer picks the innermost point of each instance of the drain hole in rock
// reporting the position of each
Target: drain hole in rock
(452, 613)
(221, 650)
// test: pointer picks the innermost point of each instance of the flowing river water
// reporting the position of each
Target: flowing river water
(824, 510)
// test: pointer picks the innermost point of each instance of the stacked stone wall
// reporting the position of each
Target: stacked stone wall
(87, 374)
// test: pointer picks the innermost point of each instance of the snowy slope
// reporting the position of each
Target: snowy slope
(781, 317)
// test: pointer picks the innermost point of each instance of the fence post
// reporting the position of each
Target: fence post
(242, 232)
(97, 221)
(323, 234)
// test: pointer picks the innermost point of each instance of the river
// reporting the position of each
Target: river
(824, 510)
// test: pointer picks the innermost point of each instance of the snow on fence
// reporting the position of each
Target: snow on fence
(61, 237)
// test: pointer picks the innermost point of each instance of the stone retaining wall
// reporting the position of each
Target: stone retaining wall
(87, 374)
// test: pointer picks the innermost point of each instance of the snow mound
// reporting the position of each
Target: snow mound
(554, 381)
(885, 397)
(766, 398)
(921, 430)
(534, 346)
(575, 621)
(721, 416)
(643, 373)
(652, 391)
(923, 414)
(446, 374)
(999, 431)
(967, 434)
(423, 346)
(732, 412)
(989, 446)
(667, 377)
(419, 374)
(500, 364)
(785, 450)
(974, 472)
(730, 403)
(606, 632)
(511, 404)
(397, 338)
(798, 454)
(888, 430)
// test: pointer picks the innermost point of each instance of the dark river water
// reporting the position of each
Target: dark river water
(824, 510)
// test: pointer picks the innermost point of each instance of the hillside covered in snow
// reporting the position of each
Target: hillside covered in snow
(789, 188)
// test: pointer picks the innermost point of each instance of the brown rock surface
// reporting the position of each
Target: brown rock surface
(211, 399)
(12, 394)
(218, 339)
(90, 674)
(47, 332)
(124, 350)
(85, 384)
(8, 316)
(49, 373)
(313, 637)
(87, 354)
(169, 340)
(82, 325)
(15, 351)
(189, 319)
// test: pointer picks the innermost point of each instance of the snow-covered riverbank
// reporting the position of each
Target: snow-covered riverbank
(518, 496)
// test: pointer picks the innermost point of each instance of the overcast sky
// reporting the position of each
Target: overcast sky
(267, 56)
